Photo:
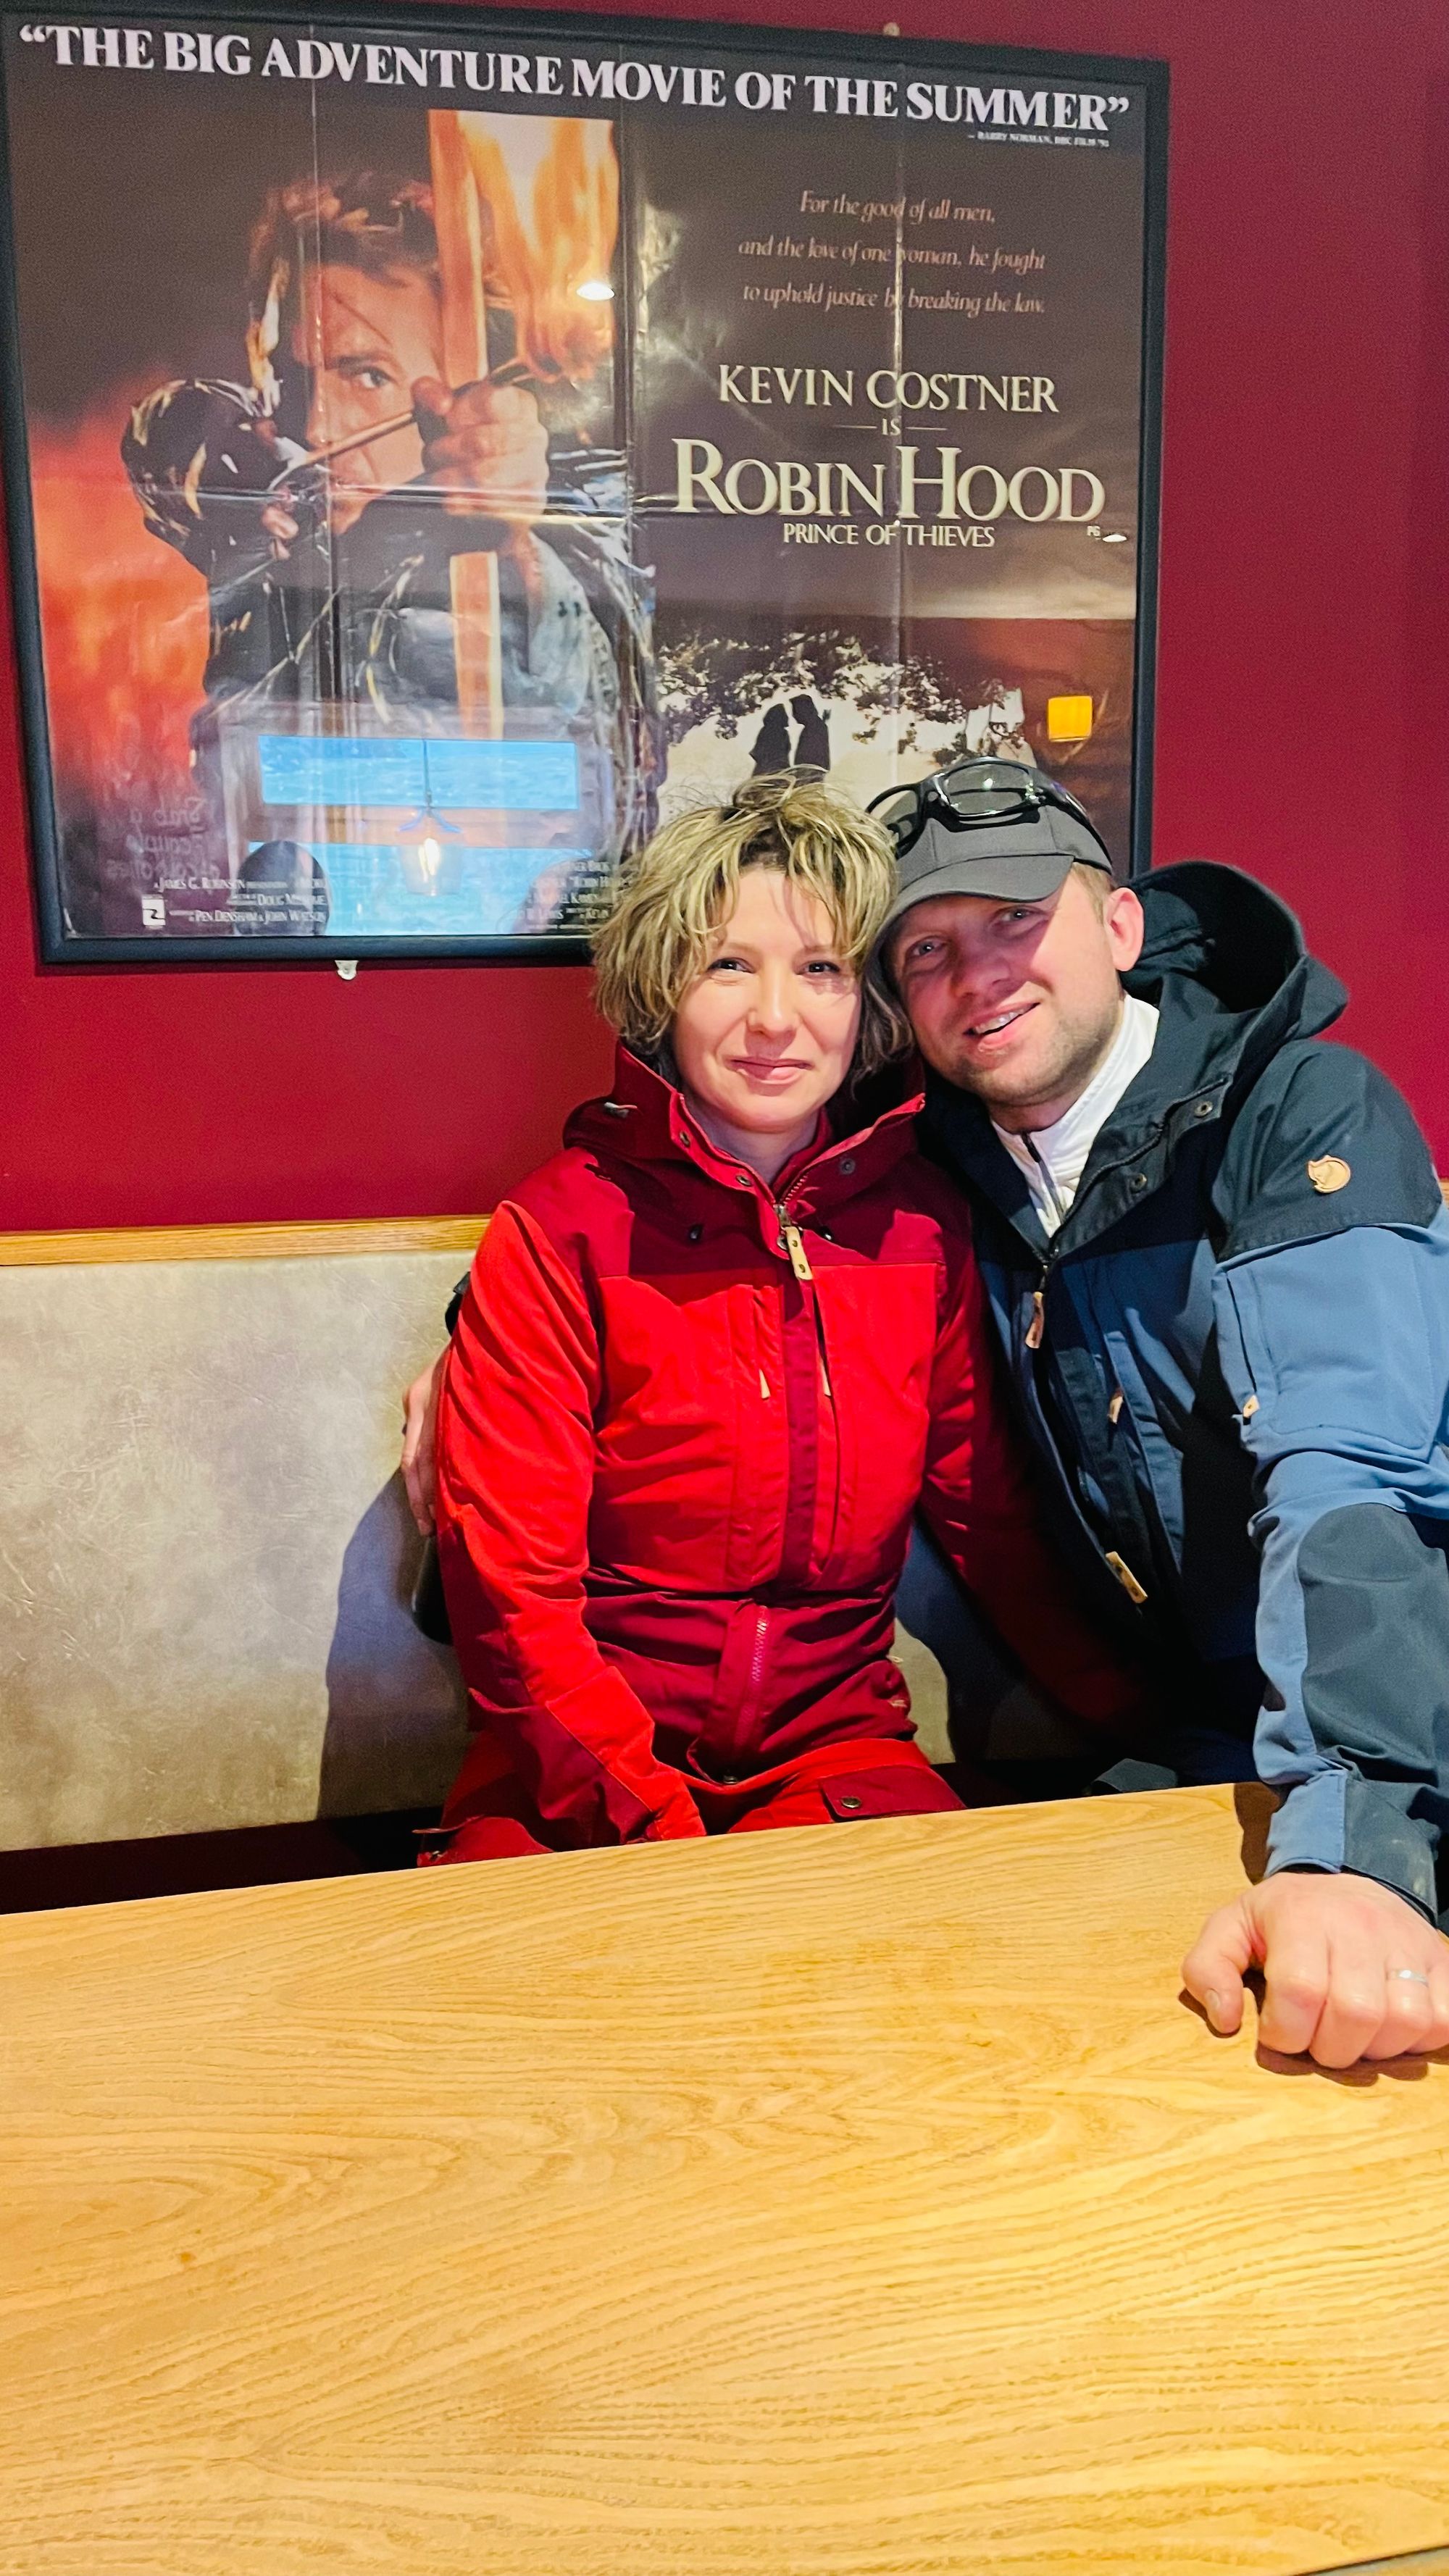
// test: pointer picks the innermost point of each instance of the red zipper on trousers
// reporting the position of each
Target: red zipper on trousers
(757, 1660)
(741, 1740)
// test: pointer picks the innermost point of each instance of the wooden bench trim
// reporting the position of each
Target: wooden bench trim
(253, 1242)
(460, 1234)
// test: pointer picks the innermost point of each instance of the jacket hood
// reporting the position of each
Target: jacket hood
(1219, 930)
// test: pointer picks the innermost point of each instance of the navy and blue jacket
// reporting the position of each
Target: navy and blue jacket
(1233, 1363)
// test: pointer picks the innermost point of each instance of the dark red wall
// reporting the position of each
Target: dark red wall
(1302, 688)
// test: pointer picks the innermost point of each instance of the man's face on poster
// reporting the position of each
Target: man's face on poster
(366, 341)
(373, 348)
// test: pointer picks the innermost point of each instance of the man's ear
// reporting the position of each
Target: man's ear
(1126, 926)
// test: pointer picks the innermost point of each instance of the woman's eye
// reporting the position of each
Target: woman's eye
(823, 968)
(728, 966)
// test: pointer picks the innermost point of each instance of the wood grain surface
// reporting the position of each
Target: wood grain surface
(327, 1237)
(859, 2202)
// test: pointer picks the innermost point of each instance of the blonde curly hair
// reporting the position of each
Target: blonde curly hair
(672, 897)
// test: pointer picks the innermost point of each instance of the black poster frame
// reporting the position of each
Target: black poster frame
(835, 50)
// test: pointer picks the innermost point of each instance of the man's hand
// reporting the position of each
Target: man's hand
(420, 1444)
(1332, 1950)
(487, 449)
(282, 526)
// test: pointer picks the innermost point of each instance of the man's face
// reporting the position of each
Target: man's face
(1017, 1002)
(366, 341)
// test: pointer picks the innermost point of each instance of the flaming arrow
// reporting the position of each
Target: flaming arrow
(458, 222)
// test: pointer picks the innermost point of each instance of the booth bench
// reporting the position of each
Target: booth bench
(206, 1554)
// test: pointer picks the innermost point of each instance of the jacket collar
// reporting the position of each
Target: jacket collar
(644, 1120)
(1225, 964)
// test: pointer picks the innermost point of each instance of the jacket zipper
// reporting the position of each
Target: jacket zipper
(1037, 1326)
(1036, 1329)
(792, 1243)
(1116, 1564)
(1049, 1179)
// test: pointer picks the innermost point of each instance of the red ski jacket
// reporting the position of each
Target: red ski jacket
(685, 1423)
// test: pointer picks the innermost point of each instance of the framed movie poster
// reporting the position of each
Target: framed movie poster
(440, 445)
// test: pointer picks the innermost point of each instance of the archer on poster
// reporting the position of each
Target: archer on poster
(433, 457)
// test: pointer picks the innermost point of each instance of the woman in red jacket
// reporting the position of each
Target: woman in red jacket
(712, 1357)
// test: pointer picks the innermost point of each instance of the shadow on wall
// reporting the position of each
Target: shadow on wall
(395, 1701)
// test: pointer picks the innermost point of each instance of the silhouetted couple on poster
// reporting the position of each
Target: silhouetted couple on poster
(771, 751)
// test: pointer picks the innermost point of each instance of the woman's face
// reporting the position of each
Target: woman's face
(765, 1035)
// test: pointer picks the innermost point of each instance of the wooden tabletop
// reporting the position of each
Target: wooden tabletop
(858, 2202)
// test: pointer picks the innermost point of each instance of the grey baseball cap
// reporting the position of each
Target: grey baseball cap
(1010, 858)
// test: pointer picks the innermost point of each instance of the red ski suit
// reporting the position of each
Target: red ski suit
(685, 1423)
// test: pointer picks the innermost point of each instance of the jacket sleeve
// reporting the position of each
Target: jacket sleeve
(1332, 1310)
(515, 1481)
(979, 1505)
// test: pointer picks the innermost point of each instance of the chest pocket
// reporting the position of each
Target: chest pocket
(1149, 1319)
(690, 1445)
(878, 1324)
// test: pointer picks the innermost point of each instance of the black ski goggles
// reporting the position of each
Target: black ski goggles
(973, 793)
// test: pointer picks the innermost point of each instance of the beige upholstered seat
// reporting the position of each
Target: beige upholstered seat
(206, 1557)
(205, 1553)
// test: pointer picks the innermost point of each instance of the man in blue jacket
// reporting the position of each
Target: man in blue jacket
(1218, 1261)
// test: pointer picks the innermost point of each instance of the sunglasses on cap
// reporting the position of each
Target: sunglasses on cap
(971, 794)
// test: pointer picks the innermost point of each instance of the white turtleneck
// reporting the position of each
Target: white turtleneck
(1053, 1159)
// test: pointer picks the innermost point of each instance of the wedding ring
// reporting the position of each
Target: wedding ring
(1412, 1976)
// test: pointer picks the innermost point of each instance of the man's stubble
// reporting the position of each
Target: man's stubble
(1053, 1081)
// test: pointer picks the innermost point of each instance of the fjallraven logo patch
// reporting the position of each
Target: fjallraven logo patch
(1329, 1173)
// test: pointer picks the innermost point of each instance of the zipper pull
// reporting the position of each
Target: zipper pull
(1135, 1591)
(1037, 1326)
(790, 1241)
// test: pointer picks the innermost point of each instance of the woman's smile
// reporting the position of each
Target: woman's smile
(776, 1072)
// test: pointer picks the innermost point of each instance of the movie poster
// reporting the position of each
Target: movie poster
(438, 451)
